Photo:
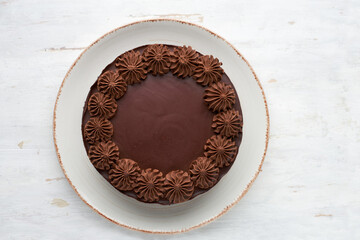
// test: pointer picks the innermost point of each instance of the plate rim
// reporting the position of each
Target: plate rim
(227, 207)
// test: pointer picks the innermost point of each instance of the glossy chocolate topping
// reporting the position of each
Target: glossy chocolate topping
(162, 123)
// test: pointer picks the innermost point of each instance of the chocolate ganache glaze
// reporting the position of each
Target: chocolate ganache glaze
(168, 123)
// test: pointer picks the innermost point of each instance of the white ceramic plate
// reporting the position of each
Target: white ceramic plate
(95, 191)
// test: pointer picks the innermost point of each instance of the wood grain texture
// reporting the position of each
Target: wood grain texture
(305, 53)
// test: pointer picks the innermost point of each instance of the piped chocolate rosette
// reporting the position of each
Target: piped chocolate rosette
(150, 185)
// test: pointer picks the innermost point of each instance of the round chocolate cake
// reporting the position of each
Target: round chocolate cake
(162, 123)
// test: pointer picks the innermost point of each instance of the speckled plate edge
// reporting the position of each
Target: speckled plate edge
(227, 207)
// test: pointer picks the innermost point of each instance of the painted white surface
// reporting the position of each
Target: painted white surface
(305, 53)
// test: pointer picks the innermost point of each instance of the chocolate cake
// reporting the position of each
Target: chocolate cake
(162, 123)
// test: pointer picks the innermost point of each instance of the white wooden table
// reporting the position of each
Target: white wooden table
(305, 53)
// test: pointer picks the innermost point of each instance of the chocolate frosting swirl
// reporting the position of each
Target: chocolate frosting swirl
(183, 61)
(102, 155)
(221, 150)
(98, 129)
(208, 70)
(102, 105)
(131, 67)
(150, 185)
(112, 84)
(178, 186)
(219, 97)
(157, 59)
(204, 173)
(124, 173)
(228, 124)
